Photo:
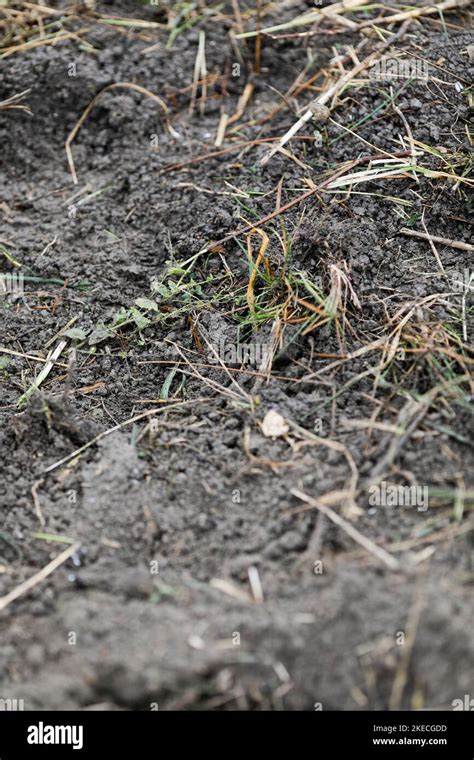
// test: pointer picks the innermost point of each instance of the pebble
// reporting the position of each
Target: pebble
(292, 540)
(320, 112)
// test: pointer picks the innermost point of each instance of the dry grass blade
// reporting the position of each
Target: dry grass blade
(254, 266)
(308, 18)
(44, 41)
(401, 676)
(226, 369)
(332, 92)
(241, 395)
(232, 590)
(265, 367)
(200, 74)
(255, 585)
(15, 102)
(119, 426)
(436, 8)
(44, 372)
(408, 420)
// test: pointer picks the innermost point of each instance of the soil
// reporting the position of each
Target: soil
(156, 607)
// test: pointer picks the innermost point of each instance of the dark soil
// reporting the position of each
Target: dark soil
(203, 495)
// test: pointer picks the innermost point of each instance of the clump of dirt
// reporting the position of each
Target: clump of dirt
(200, 579)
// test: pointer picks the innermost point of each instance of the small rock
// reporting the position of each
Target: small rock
(319, 112)
(274, 425)
(292, 541)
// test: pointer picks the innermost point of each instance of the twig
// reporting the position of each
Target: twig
(242, 104)
(370, 546)
(432, 245)
(121, 425)
(27, 356)
(436, 239)
(36, 501)
(260, 222)
(296, 201)
(40, 576)
(258, 39)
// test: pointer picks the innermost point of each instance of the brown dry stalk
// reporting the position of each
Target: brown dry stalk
(215, 154)
(442, 240)
(299, 199)
(255, 266)
(38, 577)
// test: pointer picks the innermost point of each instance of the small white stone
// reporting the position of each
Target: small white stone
(274, 425)
(320, 112)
